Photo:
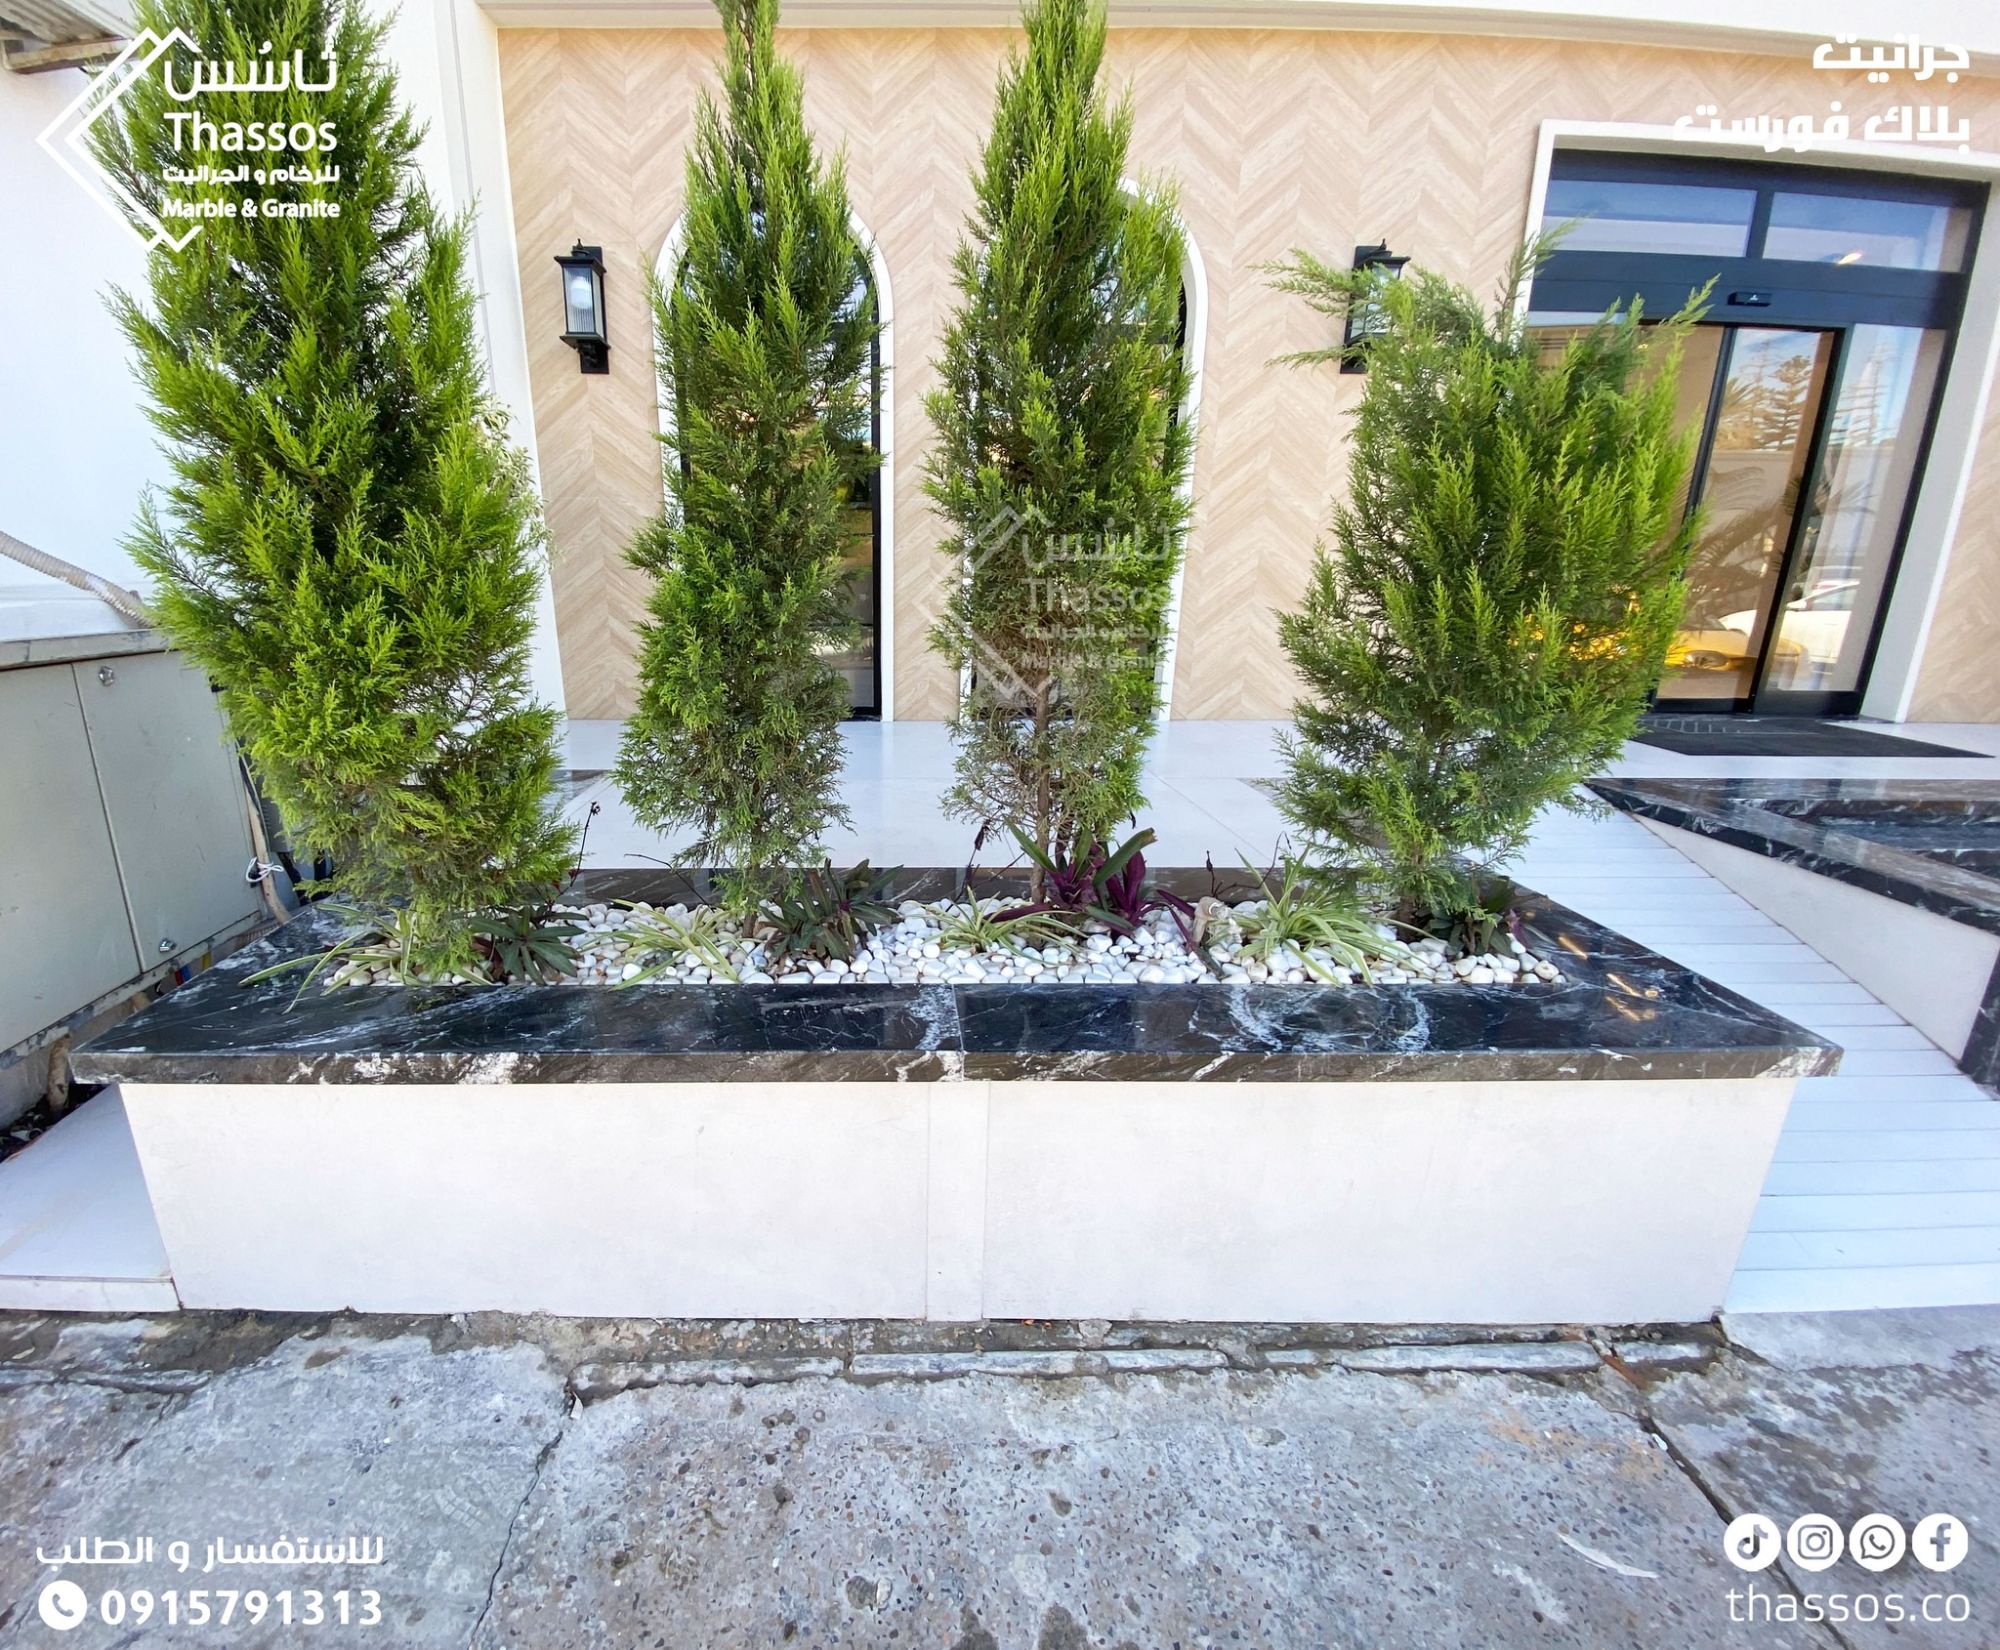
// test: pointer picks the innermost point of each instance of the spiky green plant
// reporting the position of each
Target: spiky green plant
(528, 944)
(1060, 456)
(703, 935)
(968, 926)
(765, 339)
(1504, 579)
(826, 913)
(347, 547)
(1302, 913)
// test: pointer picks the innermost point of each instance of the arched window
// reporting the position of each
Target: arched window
(869, 666)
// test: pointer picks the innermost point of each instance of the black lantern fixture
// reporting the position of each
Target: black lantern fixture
(583, 306)
(1365, 319)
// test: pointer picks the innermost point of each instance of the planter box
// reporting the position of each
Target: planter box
(1591, 1151)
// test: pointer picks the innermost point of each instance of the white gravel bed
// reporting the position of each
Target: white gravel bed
(618, 946)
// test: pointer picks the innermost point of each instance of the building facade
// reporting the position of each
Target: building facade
(1829, 485)
(1840, 387)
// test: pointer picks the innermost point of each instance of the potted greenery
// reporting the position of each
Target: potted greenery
(348, 548)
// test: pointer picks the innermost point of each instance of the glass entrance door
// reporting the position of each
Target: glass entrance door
(1813, 379)
(1804, 476)
(1852, 517)
(1771, 383)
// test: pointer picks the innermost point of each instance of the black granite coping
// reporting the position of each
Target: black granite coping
(1933, 844)
(1846, 829)
(1622, 1012)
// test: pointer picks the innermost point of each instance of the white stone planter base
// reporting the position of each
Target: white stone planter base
(1371, 1202)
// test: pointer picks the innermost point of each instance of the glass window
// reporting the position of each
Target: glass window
(1621, 216)
(1851, 229)
(857, 660)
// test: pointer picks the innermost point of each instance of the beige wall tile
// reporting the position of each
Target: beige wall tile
(1276, 139)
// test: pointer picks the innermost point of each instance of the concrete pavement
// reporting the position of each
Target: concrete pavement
(1048, 1487)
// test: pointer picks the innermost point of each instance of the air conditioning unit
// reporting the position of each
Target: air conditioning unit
(124, 836)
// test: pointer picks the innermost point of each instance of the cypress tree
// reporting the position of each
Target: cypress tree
(765, 336)
(1503, 582)
(347, 545)
(1060, 454)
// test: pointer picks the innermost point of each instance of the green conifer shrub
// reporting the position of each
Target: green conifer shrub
(1504, 578)
(347, 545)
(1061, 456)
(765, 350)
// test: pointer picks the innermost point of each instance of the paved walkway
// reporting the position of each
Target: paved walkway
(1886, 1189)
(556, 1485)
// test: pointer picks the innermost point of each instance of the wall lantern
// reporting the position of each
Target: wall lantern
(1365, 319)
(583, 306)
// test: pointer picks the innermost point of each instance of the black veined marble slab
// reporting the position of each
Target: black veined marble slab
(1621, 1012)
(1917, 841)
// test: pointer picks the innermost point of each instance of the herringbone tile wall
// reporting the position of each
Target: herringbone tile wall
(1959, 680)
(1276, 139)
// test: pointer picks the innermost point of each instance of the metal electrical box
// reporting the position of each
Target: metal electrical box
(123, 835)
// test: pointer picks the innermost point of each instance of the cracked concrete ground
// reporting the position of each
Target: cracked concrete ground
(554, 1484)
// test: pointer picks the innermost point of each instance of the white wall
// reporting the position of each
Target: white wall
(75, 448)
(447, 58)
(1475, 1201)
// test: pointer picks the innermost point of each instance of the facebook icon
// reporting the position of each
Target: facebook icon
(1939, 1542)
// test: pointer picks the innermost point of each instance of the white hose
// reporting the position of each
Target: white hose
(116, 596)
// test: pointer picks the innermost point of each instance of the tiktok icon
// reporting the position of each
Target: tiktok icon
(1752, 1542)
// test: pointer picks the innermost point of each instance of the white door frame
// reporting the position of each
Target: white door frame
(1194, 281)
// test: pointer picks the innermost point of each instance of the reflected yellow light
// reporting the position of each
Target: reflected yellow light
(1849, 258)
(1627, 986)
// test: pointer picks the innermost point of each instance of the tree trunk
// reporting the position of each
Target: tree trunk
(1044, 826)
